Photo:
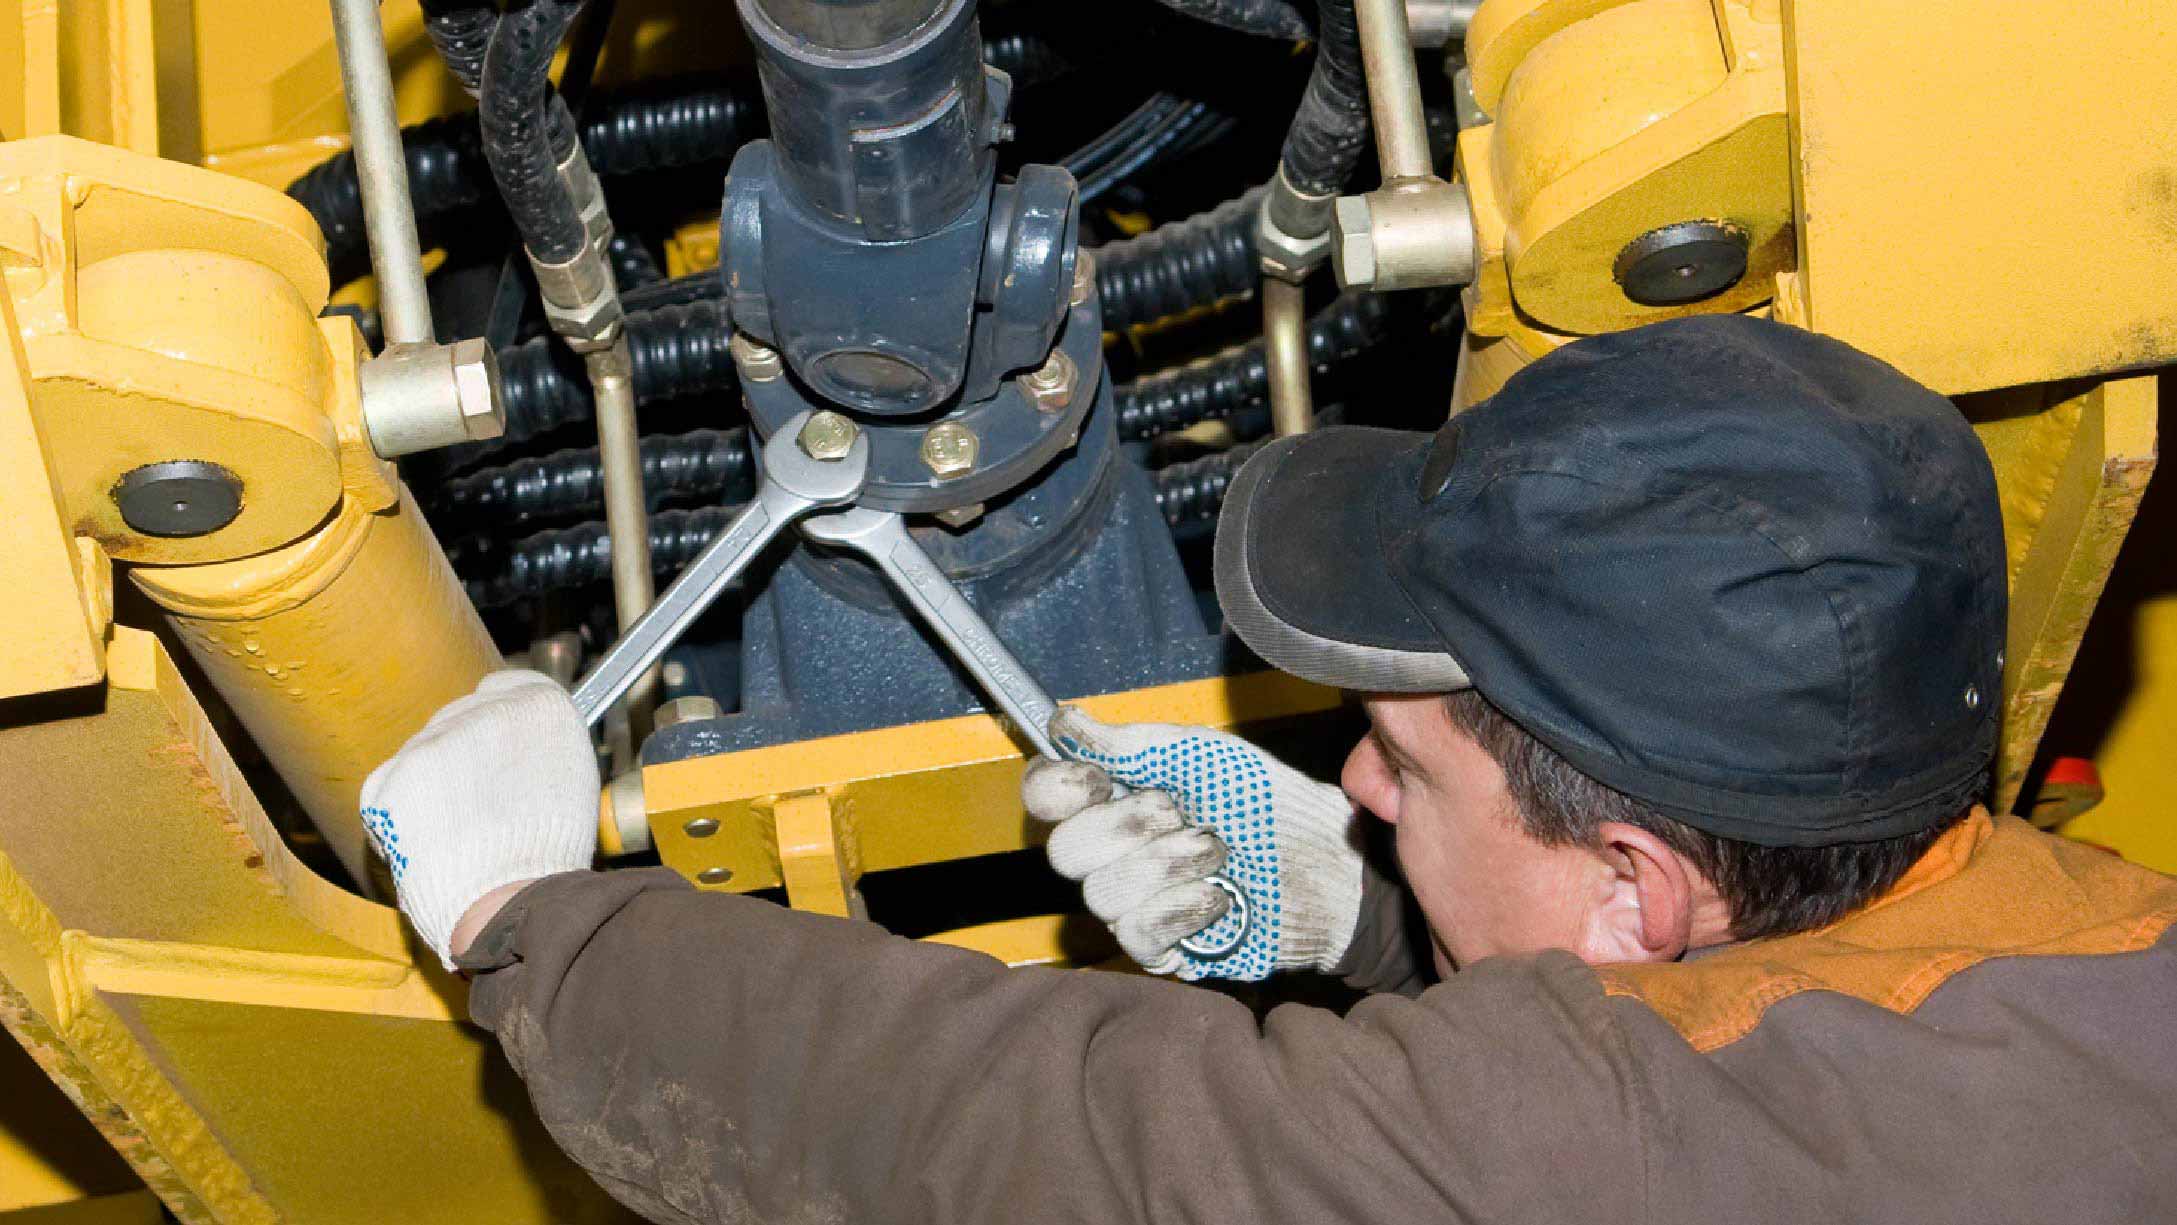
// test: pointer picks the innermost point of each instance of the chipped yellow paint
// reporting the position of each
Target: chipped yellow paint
(2072, 476)
(214, 1008)
(333, 651)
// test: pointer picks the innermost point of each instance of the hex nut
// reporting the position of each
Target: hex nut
(580, 301)
(827, 436)
(1051, 385)
(1353, 242)
(949, 449)
(1084, 277)
(476, 388)
(1285, 256)
(757, 361)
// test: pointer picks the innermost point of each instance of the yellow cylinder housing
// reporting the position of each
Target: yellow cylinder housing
(332, 650)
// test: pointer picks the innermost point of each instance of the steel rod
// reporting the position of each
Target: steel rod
(627, 515)
(1285, 350)
(381, 167)
(1394, 89)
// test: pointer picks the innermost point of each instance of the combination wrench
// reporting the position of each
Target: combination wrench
(882, 537)
(791, 484)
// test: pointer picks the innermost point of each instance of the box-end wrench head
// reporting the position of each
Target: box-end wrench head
(791, 484)
(882, 537)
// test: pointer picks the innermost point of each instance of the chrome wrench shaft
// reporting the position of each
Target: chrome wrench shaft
(882, 537)
(793, 484)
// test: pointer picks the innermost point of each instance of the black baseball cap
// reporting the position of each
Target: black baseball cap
(1743, 573)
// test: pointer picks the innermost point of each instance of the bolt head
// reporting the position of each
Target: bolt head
(685, 710)
(1353, 242)
(949, 449)
(828, 436)
(714, 876)
(1051, 385)
(757, 361)
(701, 827)
(960, 518)
(476, 388)
(1084, 277)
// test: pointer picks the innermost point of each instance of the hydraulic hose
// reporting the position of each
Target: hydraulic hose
(1239, 377)
(1330, 129)
(565, 484)
(518, 114)
(461, 32)
(1181, 265)
(1194, 491)
(580, 556)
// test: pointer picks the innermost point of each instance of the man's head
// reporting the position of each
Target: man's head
(1719, 608)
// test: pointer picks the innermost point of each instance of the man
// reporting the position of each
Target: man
(1681, 655)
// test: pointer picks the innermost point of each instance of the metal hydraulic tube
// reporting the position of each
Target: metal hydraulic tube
(332, 651)
(396, 255)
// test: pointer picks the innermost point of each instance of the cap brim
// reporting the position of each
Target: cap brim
(1304, 566)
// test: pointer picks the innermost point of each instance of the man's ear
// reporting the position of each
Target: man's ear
(1653, 897)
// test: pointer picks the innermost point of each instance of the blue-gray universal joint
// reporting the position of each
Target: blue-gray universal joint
(868, 240)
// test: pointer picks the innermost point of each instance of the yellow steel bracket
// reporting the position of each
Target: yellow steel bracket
(171, 313)
(254, 1041)
(815, 815)
(1611, 119)
(2071, 475)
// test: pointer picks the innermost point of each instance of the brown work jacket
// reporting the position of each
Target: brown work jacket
(1993, 1040)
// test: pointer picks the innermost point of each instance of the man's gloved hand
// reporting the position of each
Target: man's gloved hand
(500, 786)
(1205, 802)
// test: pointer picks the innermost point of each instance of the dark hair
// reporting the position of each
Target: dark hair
(1771, 890)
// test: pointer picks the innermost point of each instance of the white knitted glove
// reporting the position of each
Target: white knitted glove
(1207, 802)
(500, 786)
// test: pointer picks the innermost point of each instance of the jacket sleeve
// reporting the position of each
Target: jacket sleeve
(714, 1058)
(1386, 950)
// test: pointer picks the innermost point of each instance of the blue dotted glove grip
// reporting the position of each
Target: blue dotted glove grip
(1225, 788)
(379, 824)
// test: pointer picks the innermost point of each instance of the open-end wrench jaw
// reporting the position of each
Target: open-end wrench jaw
(792, 483)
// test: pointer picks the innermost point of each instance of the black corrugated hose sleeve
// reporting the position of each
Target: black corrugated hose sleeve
(517, 116)
(677, 350)
(680, 123)
(1195, 490)
(578, 556)
(1181, 265)
(705, 463)
(1330, 129)
(461, 30)
(1240, 376)
(446, 172)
